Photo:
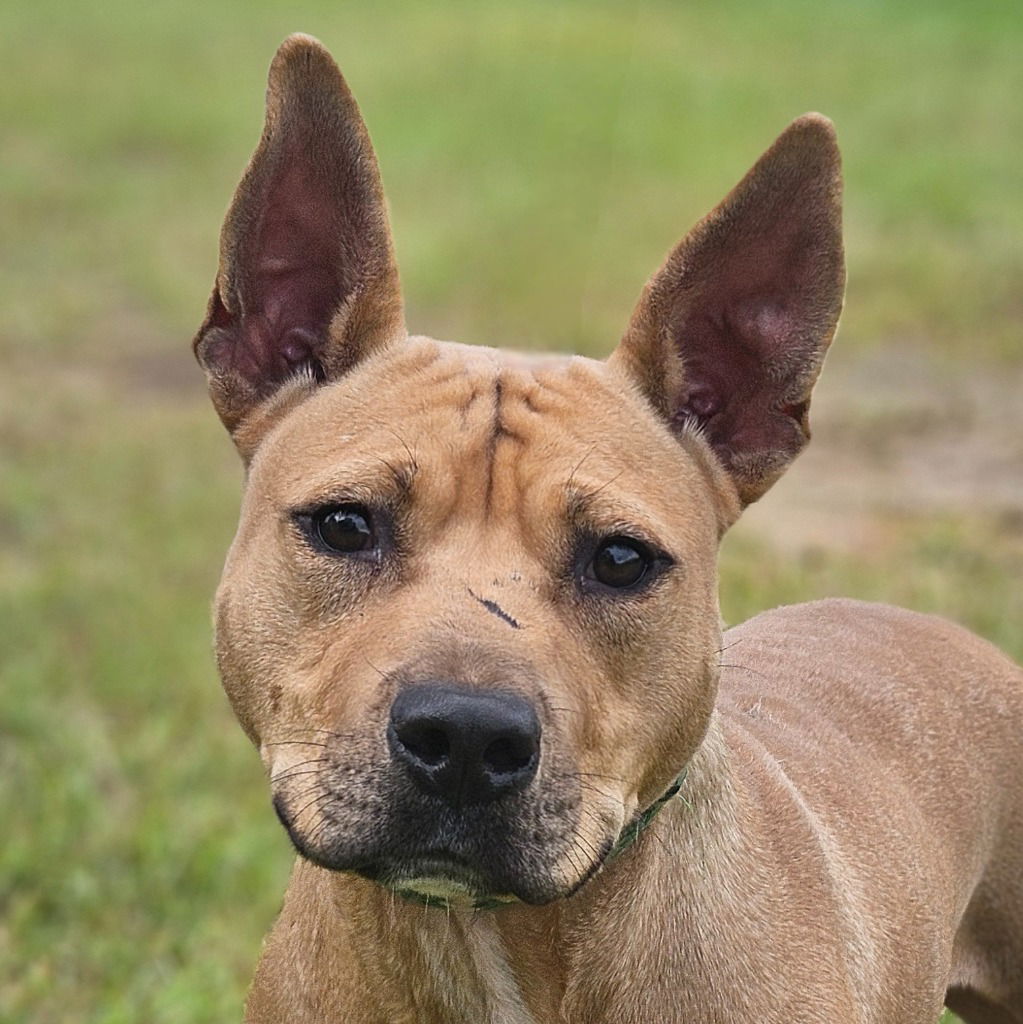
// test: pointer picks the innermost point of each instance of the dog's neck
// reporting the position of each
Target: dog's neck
(439, 966)
(523, 965)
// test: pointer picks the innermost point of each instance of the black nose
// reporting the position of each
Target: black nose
(465, 746)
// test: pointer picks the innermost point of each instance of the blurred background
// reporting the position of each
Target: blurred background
(540, 159)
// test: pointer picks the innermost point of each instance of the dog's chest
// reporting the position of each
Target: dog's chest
(471, 976)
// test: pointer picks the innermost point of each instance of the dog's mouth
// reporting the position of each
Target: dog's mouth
(462, 865)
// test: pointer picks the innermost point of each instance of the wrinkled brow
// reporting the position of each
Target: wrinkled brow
(367, 479)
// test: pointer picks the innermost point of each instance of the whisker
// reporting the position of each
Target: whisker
(597, 775)
(286, 773)
(587, 846)
(744, 668)
(306, 806)
(325, 822)
(326, 732)
(298, 743)
(588, 787)
(295, 737)
(571, 854)
(588, 775)
(571, 476)
(303, 793)
(607, 484)
(413, 461)
(379, 672)
(294, 775)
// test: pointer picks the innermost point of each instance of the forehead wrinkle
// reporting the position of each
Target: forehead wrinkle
(497, 431)
(599, 488)
(519, 433)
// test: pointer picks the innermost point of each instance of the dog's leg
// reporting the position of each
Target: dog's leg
(986, 983)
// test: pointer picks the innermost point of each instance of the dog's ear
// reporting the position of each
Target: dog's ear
(729, 335)
(307, 283)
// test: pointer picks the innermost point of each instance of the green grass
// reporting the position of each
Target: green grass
(540, 159)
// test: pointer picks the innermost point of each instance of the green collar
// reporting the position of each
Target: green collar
(628, 836)
(636, 827)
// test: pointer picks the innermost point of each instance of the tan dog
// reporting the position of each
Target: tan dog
(470, 619)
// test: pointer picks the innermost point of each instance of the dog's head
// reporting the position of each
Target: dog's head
(470, 614)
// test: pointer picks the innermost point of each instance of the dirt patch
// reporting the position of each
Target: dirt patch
(897, 434)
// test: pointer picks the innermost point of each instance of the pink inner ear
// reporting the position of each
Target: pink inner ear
(299, 346)
(295, 263)
(291, 279)
(700, 402)
(740, 365)
(765, 327)
(745, 328)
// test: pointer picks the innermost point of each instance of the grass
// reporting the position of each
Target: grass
(540, 159)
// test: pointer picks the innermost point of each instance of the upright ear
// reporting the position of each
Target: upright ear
(729, 335)
(307, 283)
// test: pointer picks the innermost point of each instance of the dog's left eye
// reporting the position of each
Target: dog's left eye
(620, 562)
(345, 528)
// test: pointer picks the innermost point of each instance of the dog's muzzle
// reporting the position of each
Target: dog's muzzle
(456, 802)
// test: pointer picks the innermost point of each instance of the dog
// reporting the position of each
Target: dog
(470, 620)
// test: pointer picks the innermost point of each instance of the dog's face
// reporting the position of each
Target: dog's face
(470, 615)
(498, 548)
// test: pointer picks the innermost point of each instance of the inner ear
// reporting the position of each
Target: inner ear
(729, 336)
(307, 282)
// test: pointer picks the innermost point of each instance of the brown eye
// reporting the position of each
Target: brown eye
(620, 562)
(345, 528)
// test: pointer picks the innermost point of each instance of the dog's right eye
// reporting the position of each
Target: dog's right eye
(347, 529)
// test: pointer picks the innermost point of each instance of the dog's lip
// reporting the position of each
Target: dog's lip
(439, 876)
(439, 865)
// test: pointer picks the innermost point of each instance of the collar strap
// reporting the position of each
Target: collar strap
(638, 825)
(628, 836)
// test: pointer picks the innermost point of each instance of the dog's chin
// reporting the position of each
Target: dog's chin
(440, 880)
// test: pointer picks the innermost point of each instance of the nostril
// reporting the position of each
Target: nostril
(508, 756)
(465, 746)
(428, 743)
